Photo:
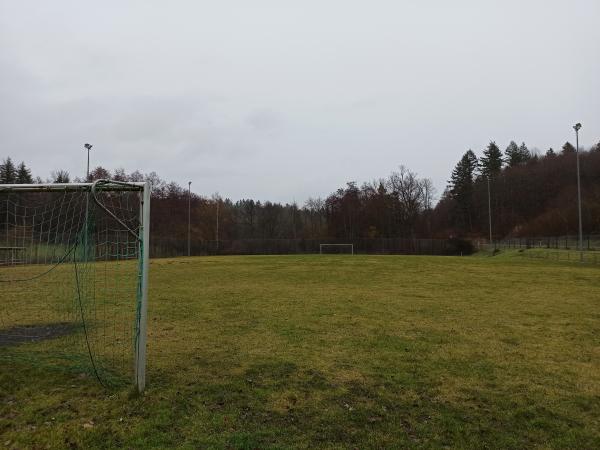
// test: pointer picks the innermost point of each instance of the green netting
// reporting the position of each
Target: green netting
(70, 280)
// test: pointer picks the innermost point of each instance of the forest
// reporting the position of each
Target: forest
(529, 194)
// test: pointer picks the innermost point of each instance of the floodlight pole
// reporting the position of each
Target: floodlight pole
(189, 217)
(88, 147)
(577, 127)
(217, 236)
(489, 207)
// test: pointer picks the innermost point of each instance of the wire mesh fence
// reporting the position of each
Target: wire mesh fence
(591, 242)
(166, 247)
(557, 248)
(587, 257)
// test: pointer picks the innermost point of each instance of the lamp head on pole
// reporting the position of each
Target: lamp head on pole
(88, 146)
(577, 127)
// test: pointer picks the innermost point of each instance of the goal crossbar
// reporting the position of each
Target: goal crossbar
(74, 187)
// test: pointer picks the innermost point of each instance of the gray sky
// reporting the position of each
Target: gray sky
(283, 100)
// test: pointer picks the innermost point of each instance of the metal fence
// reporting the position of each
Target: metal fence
(555, 248)
(570, 242)
(166, 247)
(587, 257)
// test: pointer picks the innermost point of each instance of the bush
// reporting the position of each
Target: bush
(458, 246)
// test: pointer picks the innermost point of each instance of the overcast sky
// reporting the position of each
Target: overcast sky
(283, 100)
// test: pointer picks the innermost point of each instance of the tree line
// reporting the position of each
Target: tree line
(529, 195)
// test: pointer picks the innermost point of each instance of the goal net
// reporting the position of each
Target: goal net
(336, 248)
(74, 277)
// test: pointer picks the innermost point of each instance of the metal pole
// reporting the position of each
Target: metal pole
(88, 147)
(189, 217)
(142, 319)
(217, 236)
(489, 207)
(577, 127)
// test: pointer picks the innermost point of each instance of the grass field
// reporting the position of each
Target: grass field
(340, 352)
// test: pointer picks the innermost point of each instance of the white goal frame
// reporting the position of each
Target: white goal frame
(336, 245)
(144, 250)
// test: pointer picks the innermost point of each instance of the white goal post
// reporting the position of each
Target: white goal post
(74, 263)
(322, 246)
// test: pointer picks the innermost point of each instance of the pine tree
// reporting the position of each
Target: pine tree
(461, 187)
(512, 154)
(568, 148)
(491, 161)
(23, 174)
(517, 155)
(524, 153)
(464, 172)
(550, 153)
(8, 172)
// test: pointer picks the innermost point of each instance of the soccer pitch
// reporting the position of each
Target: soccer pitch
(339, 352)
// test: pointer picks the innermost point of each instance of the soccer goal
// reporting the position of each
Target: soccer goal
(74, 277)
(336, 248)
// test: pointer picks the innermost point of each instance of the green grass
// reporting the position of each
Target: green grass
(552, 254)
(340, 352)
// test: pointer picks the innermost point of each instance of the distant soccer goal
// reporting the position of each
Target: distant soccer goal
(74, 277)
(336, 249)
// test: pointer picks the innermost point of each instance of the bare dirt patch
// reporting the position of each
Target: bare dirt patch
(34, 333)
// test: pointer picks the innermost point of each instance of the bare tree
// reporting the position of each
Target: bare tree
(120, 175)
(409, 192)
(60, 176)
(428, 193)
(99, 173)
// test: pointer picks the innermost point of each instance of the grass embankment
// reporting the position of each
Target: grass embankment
(340, 352)
(550, 254)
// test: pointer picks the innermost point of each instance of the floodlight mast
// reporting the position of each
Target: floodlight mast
(217, 232)
(189, 217)
(88, 147)
(489, 208)
(577, 127)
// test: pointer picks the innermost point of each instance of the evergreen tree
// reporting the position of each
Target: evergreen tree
(8, 172)
(24, 174)
(512, 154)
(460, 187)
(550, 153)
(491, 161)
(568, 148)
(524, 153)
